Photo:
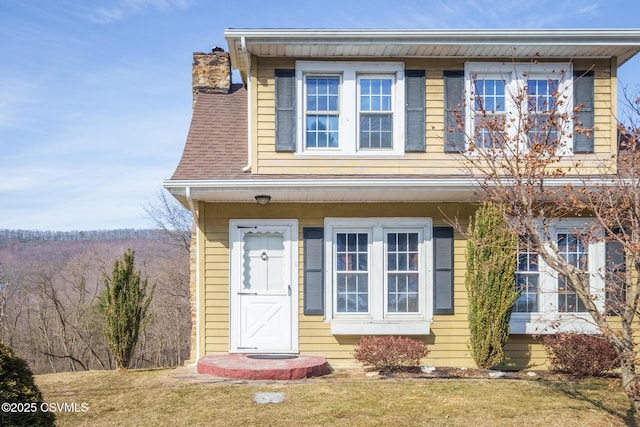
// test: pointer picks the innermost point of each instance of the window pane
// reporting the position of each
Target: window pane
(527, 302)
(311, 140)
(375, 103)
(376, 131)
(386, 86)
(365, 86)
(332, 85)
(322, 104)
(527, 277)
(402, 262)
(403, 277)
(312, 105)
(322, 123)
(489, 95)
(365, 104)
(392, 261)
(574, 251)
(351, 272)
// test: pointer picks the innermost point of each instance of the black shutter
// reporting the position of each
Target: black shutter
(615, 277)
(313, 270)
(454, 142)
(285, 110)
(583, 94)
(415, 115)
(443, 270)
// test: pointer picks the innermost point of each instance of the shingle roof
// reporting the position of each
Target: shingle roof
(216, 146)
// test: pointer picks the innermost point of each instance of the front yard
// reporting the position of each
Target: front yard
(176, 397)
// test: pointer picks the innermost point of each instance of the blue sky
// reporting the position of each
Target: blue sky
(95, 96)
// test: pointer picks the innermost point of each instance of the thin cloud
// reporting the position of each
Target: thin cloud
(106, 16)
(588, 10)
(156, 4)
(103, 15)
(16, 96)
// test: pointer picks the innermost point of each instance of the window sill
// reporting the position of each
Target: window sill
(390, 327)
(359, 155)
(538, 324)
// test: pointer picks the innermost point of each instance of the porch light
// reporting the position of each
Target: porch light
(263, 199)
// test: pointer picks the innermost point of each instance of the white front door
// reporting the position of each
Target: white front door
(263, 288)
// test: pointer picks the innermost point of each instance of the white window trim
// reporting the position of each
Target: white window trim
(515, 76)
(549, 320)
(349, 72)
(377, 321)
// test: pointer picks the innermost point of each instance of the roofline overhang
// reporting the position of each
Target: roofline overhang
(625, 41)
(561, 37)
(338, 190)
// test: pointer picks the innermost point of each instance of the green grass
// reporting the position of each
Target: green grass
(157, 397)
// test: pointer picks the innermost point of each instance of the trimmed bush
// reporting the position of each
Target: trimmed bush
(389, 353)
(18, 389)
(580, 354)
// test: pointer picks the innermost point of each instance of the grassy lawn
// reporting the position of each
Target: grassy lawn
(159, 397)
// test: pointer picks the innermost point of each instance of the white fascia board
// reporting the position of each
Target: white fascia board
(446, 189)
(239, 184)
(444, 183)
(602, 36)
(322, 189)
(623, 43)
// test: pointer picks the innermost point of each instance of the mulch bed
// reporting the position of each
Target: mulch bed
(474, 373)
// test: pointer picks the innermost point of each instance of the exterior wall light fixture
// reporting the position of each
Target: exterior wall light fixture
(263, 199)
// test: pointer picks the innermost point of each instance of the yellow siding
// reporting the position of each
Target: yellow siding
(449, 333)
(434, 160)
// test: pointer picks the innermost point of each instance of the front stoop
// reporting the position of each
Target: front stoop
(243, 367)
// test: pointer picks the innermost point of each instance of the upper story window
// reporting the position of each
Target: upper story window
(375, 112)
(350, 108)
(322, 129)
(506, 99)
(489, 108)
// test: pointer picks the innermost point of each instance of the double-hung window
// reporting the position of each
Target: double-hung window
(547, 303)
(489, 110)
(378, 275)
(375, 111)
(352, 271)
(541, 102)
(322, 129)
(573, 249)
(527, 279)
(519, 104)
(350, 108)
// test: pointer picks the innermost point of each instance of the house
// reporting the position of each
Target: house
(322, 183)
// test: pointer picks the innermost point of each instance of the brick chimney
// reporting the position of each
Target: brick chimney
(211, 72)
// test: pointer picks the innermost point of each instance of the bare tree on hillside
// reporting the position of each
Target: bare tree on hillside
(172, 218)
(520, 159)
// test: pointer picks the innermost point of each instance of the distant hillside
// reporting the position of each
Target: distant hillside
(80, 236)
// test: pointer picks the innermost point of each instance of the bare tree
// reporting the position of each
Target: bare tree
(520, 157)
(172, 218)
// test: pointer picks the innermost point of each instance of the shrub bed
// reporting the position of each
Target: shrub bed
(580, 354)
(389, 353)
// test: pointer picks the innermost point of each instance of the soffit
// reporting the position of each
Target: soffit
(324, 43)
